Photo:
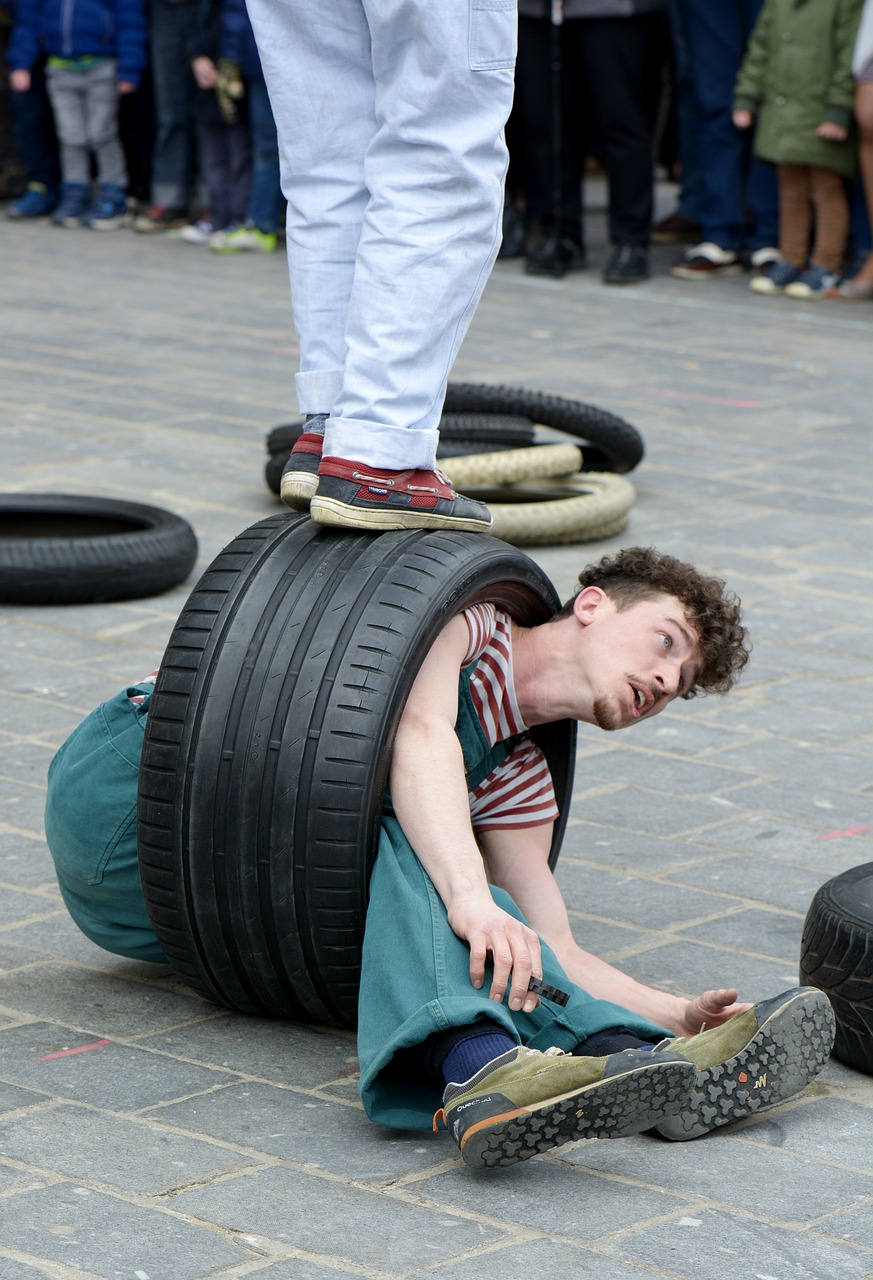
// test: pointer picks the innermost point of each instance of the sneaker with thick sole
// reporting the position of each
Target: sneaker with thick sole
(300, 473)
(759, 1058)
(199, 232)
(109, 209)
(526, 1102)
(775, 278)
(245, 240)
(707, 260)
(37, 202)
(816, 282)
(357, 496)
(72, 205)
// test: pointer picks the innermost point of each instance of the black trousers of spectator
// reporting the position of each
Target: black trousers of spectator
(606, 83)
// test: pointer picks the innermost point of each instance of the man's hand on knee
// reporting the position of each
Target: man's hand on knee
(514, 950)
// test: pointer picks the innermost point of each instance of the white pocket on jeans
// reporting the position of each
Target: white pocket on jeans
(493, 34)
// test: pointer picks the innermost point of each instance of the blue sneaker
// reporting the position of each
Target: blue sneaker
(73, 205)
(815, 282)
(37, 202)
(109, 209)
(774, 278)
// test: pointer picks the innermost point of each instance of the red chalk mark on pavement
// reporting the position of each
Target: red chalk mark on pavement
(66, 1053)
(697, 395)
(850, 831)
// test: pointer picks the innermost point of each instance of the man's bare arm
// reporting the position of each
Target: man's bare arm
(517, 861)
(429, 793)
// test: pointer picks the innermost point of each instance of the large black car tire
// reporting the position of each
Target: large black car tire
(75, 549)
(268, 741)
(836, 955)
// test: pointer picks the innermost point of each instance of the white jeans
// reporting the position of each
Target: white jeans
(390, 117)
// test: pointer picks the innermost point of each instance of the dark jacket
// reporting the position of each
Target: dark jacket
(237, 40)
(797, 72)
(79, 29)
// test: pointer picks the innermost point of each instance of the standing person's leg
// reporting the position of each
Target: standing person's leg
(614, 56)
(33, 130)
(760, 190)
(555, 249)
(109, 208)
(171, 25)
(319, 72)
(795, 226)
(68, 104)
(393, 165)
(435, 172)
(861, 287)
(716, 34)
(828, 194)
(258, 232)
(795, 213)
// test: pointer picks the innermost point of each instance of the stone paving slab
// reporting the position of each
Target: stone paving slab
(191, 1143)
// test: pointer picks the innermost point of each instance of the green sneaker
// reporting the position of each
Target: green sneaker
(244, 240)
(526, 1102)
(756, 1060)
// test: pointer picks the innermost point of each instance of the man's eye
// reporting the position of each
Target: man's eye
(667, 641)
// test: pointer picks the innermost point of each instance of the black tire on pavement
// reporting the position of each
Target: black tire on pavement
(267, 748)
(611, 444)
(75, 549)
(836, 955)
(460, 433)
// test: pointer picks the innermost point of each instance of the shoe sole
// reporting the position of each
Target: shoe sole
(688, 273)
(332, 512)
(766, 290)
(787, 1051)
(615, 1107)
(298, 489)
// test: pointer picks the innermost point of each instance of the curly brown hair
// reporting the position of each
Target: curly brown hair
(639, 573)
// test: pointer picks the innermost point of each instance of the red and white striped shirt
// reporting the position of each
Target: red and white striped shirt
(519, 792)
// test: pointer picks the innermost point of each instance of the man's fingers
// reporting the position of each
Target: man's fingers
(478, 956)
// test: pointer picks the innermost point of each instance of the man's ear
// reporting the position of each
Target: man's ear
(587, 603)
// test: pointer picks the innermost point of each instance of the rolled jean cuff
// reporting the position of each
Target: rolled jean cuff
(378, 445)
(316, 391)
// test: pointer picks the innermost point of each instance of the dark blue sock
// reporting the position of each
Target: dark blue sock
(611, 1040)
(469, 1055)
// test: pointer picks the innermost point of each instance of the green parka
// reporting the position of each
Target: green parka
(797, 72)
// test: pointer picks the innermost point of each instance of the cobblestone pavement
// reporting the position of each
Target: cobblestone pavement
(147, 1135)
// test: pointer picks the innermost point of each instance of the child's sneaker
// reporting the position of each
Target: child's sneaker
(73, 204)
(707, 260)
(526, 1102)
(358, 496)
(755, 1060)
(300, 473)
(109, 210)
(246, 240)
(815, 282)
(37, 202)
(774, 278)
(199, 232)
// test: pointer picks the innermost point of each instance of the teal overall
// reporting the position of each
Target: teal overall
(415, 976)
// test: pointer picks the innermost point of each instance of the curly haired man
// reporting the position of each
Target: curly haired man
(465, 911)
